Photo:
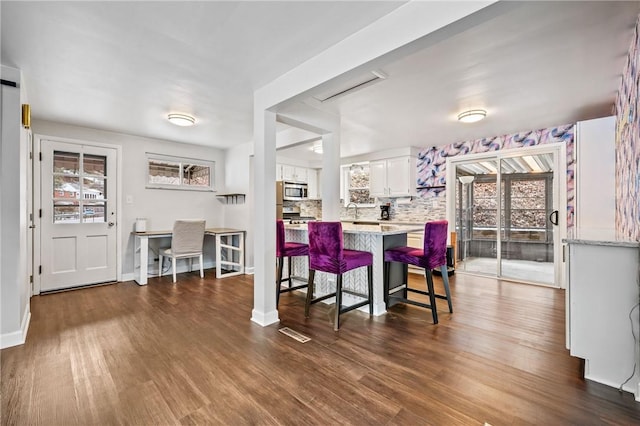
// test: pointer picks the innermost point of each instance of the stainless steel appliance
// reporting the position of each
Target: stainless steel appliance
(294, 191)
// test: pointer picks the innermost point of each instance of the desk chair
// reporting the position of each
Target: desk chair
(327, 254)
(433, 255)
(187, 241)
(288, 250)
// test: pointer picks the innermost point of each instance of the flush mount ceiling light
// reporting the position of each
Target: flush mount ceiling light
(472, 115)
(181, 119)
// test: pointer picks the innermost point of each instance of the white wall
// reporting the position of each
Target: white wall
(239, 178)
(14, 281)
(161, 207)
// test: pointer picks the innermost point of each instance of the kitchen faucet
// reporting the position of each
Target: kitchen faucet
(355, 217)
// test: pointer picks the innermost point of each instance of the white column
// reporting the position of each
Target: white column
(264, 220)
(331, 176)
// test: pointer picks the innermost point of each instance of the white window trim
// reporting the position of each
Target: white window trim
(181, 160)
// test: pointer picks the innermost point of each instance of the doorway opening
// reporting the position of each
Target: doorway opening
(506, 214)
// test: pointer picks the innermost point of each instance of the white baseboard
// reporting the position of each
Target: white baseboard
(264, 319)
(20, 336)
(249, 270)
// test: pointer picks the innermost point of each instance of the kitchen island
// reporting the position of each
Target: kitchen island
(372, 238)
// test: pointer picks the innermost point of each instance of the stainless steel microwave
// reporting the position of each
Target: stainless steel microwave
(294, 191)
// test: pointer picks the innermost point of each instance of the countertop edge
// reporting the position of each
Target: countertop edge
(629, 244)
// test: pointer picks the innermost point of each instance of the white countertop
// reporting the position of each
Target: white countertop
(630, 244)
(381, 229)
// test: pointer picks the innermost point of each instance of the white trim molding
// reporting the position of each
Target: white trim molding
(17, 337)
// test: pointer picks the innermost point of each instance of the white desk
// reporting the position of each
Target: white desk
(229, 242)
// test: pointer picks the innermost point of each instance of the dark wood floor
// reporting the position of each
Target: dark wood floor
(188, 354)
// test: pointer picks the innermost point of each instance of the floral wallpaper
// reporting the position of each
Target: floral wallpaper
(432, 162)
(628, 146)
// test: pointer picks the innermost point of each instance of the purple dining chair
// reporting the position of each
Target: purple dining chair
(327, 254)
(288, 250)
(433, 255)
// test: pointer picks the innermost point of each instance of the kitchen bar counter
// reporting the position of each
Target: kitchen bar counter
(372, 238)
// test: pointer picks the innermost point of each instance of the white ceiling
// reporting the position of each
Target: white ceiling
(123, 66)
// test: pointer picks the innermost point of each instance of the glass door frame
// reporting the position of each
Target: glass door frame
(559, 197)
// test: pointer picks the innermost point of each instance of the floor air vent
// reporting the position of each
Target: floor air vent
(294, 335)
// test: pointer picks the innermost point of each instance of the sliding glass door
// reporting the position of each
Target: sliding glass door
(506, 216)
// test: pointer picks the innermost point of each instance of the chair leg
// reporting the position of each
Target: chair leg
(336, 324)
(279, 263)
(289, 270)
(405, 280)
(173, 266)
(160, 265)
(201, 266)
(370, 279)
(432, 295)
(312, 274)
(445, 280)
(191, 264)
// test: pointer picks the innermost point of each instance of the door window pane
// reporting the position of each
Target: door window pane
(94, 212)
(67, 163)
(66, 212)
(66, 187)
(94, 188)
(95, 165)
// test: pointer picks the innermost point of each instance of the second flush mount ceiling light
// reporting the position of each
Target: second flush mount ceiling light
(181, 119)
(472, 115)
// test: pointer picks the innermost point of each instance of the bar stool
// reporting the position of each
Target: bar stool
(327, 254)
(288, 250)
(433, 255)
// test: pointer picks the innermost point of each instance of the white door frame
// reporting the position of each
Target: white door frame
(37, 188)
(560, 198)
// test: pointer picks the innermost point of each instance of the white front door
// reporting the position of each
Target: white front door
(78, 199)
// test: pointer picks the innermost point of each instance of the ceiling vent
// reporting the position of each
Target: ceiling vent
(351, 85)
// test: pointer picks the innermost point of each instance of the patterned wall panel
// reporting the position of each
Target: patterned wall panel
(432, 162)
(628, 145)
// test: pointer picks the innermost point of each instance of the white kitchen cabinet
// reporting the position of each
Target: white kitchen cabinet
(294, 173)
(595, 192)
(393, 177)
(313, 187)
(278, 171)
(602, 313)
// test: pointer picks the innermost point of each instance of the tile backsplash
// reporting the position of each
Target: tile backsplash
(418, 210)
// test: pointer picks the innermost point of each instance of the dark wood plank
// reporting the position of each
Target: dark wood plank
(187, 353)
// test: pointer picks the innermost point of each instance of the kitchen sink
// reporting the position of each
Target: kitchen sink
(365, 222)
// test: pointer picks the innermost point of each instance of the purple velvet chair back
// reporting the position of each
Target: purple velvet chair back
(279, 237)
(326, 247)
(435, 243)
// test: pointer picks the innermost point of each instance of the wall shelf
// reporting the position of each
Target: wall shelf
(232, 198)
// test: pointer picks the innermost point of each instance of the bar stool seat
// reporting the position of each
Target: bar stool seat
(327, 254)
(287, 249)
(432, 255)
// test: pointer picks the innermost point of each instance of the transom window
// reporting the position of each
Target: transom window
(179, 173)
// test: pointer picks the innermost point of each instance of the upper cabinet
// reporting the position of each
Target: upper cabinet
(313, 184)
(294, 173)
(392, 177)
